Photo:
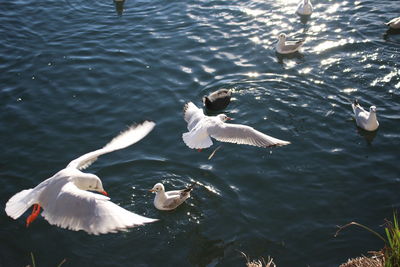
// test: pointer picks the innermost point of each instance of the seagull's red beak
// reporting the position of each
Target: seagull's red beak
(229, 119)
(104, 193)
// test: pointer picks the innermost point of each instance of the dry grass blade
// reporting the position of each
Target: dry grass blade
(362, 226)
(213, 153)
(364, 262)
(258, 263)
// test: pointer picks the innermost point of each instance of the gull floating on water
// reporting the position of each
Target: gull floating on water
(287, 47)
(67, 204)
(218, 100)
(171, 199)
(394, 23)
(202, 128)
(304, 8)
(364, 119)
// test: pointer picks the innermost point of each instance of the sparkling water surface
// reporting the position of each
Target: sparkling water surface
(76, 73)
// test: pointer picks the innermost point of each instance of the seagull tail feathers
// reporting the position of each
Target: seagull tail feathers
(190, 187)
(18, 204)
(354, 105)
(191, 141)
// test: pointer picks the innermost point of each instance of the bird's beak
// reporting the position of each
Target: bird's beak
(104, 193)
(152, 190)
(229, 119)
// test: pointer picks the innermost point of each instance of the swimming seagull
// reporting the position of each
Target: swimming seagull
(304, 8)
(287, 47)
(171, 199)
(67, 204)
(218, 100)
(364, 119)
(394, 23)
(202, 128)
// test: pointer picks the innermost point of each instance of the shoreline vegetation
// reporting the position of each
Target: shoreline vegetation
(388, 256)
(34, 262)
(258, 263)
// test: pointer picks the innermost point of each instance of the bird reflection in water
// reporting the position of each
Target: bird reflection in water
(119, 6)
(368, 136)
(304, 18)
(295, 55)
(389, 32)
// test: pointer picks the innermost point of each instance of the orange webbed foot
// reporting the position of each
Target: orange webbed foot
(34, 214)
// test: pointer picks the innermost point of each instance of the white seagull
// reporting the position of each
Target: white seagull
(304, 8)
(172, 199)
(67, 204)
(394, 23)
(287, 47)
(202, 128)
(364, 119)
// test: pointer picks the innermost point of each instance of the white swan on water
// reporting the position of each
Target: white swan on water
(67, 204)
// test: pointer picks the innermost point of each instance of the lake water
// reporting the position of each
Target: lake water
(76, 73)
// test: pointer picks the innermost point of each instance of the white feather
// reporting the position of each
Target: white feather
(132, 135)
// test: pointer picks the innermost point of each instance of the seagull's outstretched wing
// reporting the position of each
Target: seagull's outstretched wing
(124, 139)
(77, 209)
(192, 114)
(242, 134)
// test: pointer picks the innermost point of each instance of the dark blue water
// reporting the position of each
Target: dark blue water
(75, 73)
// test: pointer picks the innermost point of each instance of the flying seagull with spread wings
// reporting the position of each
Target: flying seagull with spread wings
(66, 201)
(202, 128)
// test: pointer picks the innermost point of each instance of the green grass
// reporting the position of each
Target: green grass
(34, 262)
(391, 249)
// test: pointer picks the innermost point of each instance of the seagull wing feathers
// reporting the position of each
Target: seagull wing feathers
(243, 134)
(132, 135)
(192, 115)
(77, 209)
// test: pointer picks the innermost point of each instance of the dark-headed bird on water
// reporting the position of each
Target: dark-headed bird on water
(218, 100)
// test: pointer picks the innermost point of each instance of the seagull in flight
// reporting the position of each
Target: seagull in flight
(202, 127)
(67, 203)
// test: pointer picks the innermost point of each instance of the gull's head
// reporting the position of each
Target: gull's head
(90, 182)
(159, 187)
(224, 118)
(282, 37)
(372, 109)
